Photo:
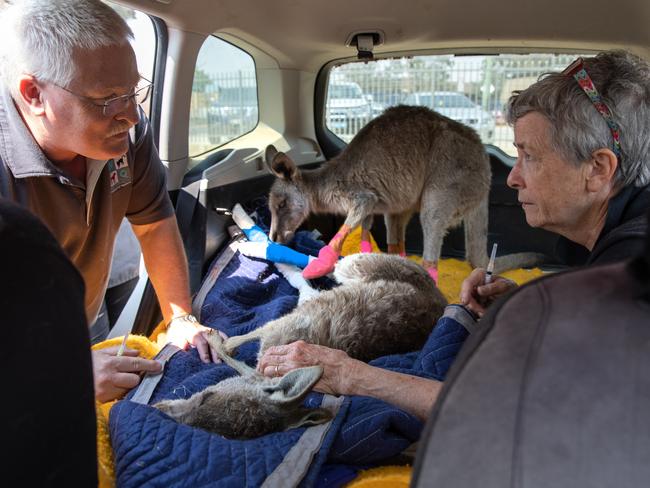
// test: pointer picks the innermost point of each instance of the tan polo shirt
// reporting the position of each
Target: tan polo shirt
(83, 216)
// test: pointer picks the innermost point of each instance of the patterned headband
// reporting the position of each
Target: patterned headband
(578, 71)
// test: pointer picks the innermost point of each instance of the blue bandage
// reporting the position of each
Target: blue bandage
(255, 234)
(278, 253)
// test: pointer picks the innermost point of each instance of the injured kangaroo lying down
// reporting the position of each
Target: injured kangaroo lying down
(249, 405)
(386, 304)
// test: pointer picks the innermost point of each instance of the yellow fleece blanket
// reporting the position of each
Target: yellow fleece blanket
(383, 477)
(105, 466)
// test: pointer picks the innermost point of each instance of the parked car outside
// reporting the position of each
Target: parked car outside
(234, 112)
(456, 106)
(348, 109)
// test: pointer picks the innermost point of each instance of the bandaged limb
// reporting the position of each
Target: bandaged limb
(260, 246)
(276, 253)
(366, 246)
(285, 258)
(359, 213)
(432, 269)
(327, 256)
(398, 248)
(396, 232)
(252, 232)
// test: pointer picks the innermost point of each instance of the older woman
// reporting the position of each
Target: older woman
(582, 171)
(583, 163)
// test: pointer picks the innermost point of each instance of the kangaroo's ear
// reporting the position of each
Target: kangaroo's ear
(269, 154)
(281, 165)
(309, 416)
(294, 385)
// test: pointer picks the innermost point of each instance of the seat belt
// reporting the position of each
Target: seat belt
(148, 384)
(223, 260)
(191, 217)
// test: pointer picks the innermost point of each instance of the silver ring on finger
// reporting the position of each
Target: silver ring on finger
(277, 366)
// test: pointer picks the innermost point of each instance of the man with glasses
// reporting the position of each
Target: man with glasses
(76, 150)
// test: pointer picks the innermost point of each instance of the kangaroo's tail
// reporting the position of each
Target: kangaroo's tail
(517, 260)
(476, 228)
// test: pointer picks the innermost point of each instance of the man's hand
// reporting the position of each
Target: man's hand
(115, 375)
(477, 296)
(182, 332)
(279, 360)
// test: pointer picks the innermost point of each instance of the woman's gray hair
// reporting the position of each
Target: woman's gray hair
(40, 36)
(578, 129)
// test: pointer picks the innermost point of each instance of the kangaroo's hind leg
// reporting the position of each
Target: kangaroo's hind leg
(270, 334)
(396, 232)
(476, 230)
(438, 212)
(362, 206)
(284, 330)
(366, 225)
(232, 343)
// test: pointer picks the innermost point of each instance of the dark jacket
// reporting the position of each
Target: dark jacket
(622, 236)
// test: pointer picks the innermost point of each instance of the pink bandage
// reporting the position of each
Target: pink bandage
(433, 272)
(324, 264)
(366, 246)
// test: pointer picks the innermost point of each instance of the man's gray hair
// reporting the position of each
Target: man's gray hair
(578, 129)
(40, 36)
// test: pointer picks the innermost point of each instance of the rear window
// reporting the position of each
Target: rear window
(471, 89)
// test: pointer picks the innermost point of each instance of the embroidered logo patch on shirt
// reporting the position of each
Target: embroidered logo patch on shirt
(119, 173)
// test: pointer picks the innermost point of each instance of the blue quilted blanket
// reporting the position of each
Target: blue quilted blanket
(153, 450)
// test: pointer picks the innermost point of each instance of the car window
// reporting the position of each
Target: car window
(224, 96)
(144, 42)
(473, 90)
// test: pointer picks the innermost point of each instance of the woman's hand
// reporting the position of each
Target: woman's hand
(337, 365)
(477, 296)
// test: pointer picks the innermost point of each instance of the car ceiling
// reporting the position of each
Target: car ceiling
(306, 34)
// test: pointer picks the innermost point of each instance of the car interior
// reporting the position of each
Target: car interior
(233, 76)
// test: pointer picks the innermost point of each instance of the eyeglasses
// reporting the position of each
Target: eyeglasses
(578, 71)
(113, 106)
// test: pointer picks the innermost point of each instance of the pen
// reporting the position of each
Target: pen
(120, 351)
(490, 266)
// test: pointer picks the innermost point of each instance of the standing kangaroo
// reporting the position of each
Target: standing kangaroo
(408, 159)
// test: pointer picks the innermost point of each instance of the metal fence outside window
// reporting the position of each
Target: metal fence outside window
(223, 107)
(471, 89)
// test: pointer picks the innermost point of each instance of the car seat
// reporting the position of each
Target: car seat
(554, 390)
